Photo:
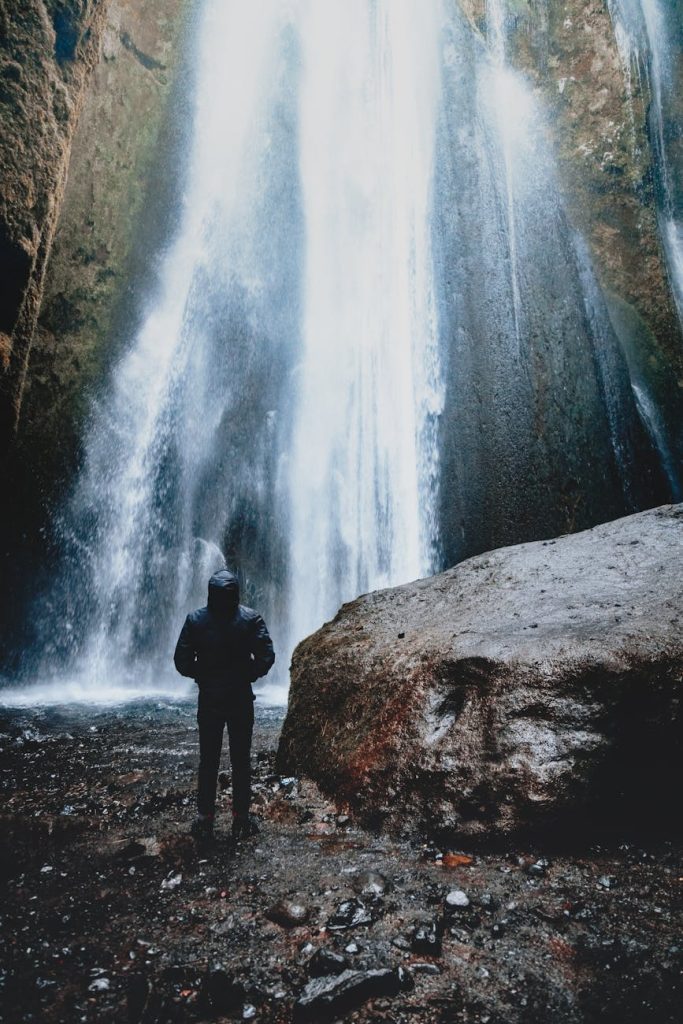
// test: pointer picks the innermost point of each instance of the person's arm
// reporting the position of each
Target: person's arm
(261, 649)
(185, 654)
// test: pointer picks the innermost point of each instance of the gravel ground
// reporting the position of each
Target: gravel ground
(111, 912)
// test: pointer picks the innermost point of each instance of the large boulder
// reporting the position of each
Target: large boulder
(529, 687)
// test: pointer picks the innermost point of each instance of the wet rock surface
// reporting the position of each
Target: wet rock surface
(528, 690)
(111, 912)
(47, 52)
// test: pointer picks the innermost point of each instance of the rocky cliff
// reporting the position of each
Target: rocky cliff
(599, 101)
(599, 98)
(524, 689)
(88, 157)
(47, 52)
(123, 174)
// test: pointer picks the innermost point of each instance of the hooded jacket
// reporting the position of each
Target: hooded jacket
(224, 646)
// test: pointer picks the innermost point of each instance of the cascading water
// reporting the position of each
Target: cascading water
(377, 345)
(363, 464)
(181, 442)
(278, 403)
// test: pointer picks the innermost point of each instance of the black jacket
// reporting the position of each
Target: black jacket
(224, 646)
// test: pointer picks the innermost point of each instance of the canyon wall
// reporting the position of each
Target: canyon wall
(583, 423)
(48, 51)
(93, 94)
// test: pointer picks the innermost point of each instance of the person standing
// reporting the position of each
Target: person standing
(224, 647)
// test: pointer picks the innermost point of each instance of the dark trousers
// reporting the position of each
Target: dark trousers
(212, 717)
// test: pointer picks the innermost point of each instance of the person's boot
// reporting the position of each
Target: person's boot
(243, 826)
(202, 826)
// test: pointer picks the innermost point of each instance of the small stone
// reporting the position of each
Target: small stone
(538, 868)
(349, 914)
(99, 985)
(425, 968)
(400, 942)
(342, 820)
(456, 899)
(607, 881)
(248, 1011)
(325, 962)
(328, 998)
(171, 881)
(352, 947)
(288, 913)
(406, 980)
(370, 883)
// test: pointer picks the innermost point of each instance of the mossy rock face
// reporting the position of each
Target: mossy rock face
(46, 54)
(108, 222)
(598, 120)
(118, 167)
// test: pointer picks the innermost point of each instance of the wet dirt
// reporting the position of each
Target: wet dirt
(112, 912)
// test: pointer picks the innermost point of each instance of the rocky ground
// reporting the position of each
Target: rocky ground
(110, 912)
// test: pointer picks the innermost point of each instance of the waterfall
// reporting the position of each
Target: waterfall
(278, 406)
(363, 463)
(375, 345)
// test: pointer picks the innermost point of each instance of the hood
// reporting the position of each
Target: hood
(224, 592)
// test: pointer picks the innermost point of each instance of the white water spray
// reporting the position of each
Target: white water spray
(363, 465)
(178, 451)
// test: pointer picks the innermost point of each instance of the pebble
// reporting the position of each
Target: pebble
(370, 883)
(325, 998)
(457, 898)
(172, 881)
(425, 968)
(349, 914)
(288, 913)
(538, 868)
(325, 962)
(99, 985)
